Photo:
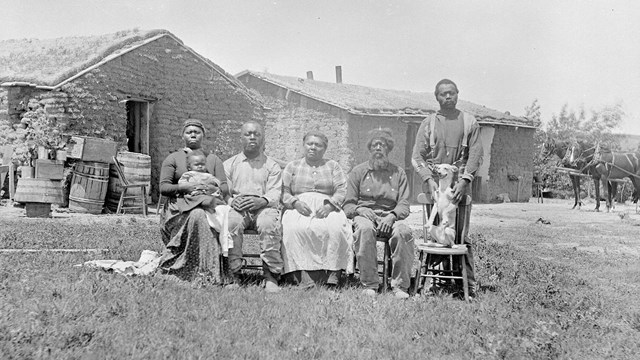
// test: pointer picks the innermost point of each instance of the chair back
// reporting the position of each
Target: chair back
(462, 215)
(120, 172)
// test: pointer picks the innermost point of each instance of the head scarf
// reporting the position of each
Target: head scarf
(383, 134)
(193, 122)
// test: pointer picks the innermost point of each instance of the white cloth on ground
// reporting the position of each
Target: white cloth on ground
(146, 265)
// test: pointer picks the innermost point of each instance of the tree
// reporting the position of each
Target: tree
(570, 126)
(533, 112)
(598, 128)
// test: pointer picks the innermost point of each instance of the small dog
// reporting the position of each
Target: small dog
(445, 232)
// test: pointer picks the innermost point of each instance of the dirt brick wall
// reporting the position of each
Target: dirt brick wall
(183, 85)
(286, 125)
(511, 158)
(5, 125)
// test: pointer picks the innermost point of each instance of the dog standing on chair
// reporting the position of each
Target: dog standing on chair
(445, 232)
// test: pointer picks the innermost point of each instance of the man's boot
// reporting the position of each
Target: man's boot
(270, 281)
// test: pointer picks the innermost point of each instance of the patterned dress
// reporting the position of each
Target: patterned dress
(191, 247)
(309, 243)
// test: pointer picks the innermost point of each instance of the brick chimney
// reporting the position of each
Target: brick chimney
(338, 74)
(310, 75)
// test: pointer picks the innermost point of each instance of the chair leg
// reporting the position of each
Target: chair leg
(465, 279)
(121, 201)
(427, 263)
(158, 205)
(12, 182)
(386, 268)
(418, 278)
(144, 201)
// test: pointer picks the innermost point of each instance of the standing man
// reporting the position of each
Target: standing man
(255, 181)
(377, 198)
(449, 136)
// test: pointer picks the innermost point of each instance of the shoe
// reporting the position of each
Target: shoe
(369, 292)
(233, 281)
(400, 294)
(270, 282)
(271, 286)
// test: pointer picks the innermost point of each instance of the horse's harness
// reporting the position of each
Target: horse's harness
(597, 159)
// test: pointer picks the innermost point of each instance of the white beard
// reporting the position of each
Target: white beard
(379, 163)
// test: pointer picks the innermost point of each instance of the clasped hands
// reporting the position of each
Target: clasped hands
(459, 189)
(321, 213)
(384, 224)
(250, 203)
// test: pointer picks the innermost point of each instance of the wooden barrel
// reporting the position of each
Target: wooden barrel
(39, 191)
(89, 187)
(137, 170)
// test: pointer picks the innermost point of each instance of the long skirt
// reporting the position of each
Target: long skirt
(191, 246)
(310, 243)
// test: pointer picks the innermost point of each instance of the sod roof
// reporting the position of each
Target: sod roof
(371, 101)
(49, 62)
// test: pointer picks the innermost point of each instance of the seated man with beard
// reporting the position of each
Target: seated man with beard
(377, 198)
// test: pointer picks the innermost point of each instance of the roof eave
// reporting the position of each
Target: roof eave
(352, 111)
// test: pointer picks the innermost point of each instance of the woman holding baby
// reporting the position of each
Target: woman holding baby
(316, 234)
(191, 247)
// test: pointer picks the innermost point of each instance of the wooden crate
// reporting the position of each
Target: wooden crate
(43, 191)
(91, 149)
(49, 169)
(41, 210)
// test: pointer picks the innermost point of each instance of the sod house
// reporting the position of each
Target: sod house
(133, 87)
(346, 112)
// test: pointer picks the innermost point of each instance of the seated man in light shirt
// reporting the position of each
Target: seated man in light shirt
(255, 181)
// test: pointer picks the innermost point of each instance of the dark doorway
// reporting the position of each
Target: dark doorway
(138, 126)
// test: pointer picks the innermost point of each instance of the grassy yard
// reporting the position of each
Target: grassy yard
(535, 302)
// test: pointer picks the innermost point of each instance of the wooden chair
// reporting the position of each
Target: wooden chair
(139, 196)
(6, 168)
(161, 203)
(247, 264)
(386, 263)
(443, 270)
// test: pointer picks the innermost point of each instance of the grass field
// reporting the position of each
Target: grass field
(535, 302)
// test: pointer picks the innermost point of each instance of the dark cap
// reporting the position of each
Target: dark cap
(193, 122)
(384, 134)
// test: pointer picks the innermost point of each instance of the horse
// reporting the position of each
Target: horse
(565, 150)
(580, 156)
(617, 165)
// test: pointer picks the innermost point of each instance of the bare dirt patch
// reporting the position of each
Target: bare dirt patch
(616, 232)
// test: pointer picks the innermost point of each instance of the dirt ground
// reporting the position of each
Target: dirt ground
(584, 229)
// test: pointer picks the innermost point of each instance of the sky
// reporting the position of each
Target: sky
(502, 54)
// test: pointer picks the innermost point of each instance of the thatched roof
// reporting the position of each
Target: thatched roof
(51, 62)
(371, 101)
